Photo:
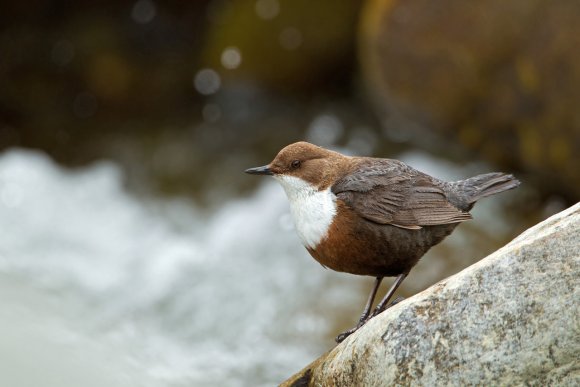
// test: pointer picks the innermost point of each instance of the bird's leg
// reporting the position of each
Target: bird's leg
(365, 314)
(383, 304)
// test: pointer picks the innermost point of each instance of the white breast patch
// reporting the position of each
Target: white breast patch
(312, 210)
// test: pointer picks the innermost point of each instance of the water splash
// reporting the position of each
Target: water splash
(188, 299)
(155, 293)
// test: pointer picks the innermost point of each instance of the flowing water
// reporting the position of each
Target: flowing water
(100, 287)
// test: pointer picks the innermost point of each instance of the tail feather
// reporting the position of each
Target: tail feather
(488, 184)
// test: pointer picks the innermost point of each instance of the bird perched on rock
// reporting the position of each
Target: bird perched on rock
(372, 216)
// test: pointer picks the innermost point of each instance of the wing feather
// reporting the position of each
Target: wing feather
(390, 192)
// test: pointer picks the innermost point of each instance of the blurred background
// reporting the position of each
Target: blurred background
(134, 251)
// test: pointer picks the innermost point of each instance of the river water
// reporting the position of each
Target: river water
(100, 287)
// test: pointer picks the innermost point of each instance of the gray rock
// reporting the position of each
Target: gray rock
(510, 319)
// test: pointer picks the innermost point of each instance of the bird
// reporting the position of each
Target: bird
(372, 216)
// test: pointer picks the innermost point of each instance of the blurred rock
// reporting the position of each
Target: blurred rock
(501, 77)
(73, 76)
(283, 44)
(511, 319)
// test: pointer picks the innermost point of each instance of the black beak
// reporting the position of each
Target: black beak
(259, 171)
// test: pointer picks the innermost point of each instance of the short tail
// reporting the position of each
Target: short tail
(480, 186)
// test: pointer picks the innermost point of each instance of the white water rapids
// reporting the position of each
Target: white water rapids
(101, 288)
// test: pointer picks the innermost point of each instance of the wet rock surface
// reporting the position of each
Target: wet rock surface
(510, 319)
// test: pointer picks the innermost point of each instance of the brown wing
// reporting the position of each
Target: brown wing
(390, 192)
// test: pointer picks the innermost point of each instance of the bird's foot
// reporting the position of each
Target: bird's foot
(379, 309)
(340, 338)
(364, 319)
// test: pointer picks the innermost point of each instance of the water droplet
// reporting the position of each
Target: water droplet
(143, 11)
(231, 58)
(290, 38)
(267, 9)
(207, 81)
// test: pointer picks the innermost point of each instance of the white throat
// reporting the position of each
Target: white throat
(312, 210)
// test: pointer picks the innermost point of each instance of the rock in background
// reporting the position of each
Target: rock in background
(500, 77)
(294, 46)
(511, 319)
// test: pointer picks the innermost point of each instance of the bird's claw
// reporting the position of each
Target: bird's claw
(340, 338)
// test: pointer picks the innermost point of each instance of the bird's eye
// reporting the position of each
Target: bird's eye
(295, 164)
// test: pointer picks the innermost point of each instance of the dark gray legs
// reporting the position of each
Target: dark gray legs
(366, 316)
(382, 305)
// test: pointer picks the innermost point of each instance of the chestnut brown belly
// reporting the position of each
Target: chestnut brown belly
(358, 246)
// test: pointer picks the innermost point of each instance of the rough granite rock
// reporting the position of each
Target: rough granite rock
(510, 319)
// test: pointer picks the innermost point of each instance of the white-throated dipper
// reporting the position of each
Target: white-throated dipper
(372, 216)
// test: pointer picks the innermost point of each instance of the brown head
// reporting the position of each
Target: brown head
(315, 165)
